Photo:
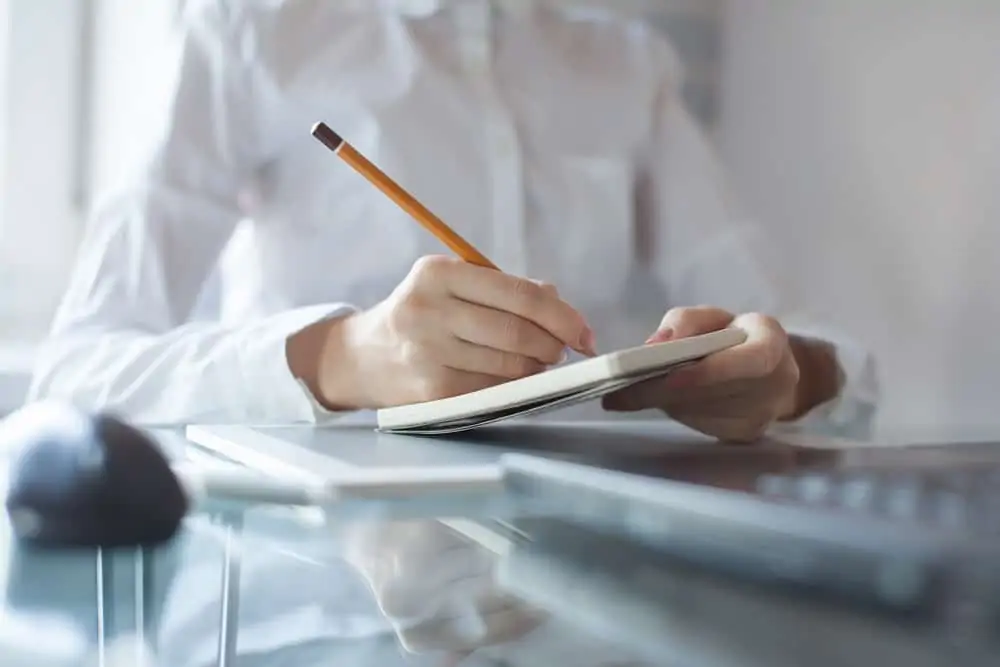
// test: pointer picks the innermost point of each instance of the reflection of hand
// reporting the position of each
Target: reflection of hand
(436, 587)
(735, 394)
(449, 328)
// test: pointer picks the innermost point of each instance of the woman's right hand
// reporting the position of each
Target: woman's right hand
(449, 328)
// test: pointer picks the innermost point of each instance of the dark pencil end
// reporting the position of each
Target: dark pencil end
(330, 139)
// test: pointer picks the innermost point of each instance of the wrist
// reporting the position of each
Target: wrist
(820, 375)
(324, 356)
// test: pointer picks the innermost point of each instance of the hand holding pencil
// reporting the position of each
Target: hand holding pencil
(452, 326)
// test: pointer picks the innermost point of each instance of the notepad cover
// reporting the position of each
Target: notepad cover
(553, 389)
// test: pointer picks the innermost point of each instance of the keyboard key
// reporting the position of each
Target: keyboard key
(902, 500)
(858, 493)
(949, 509)
(961, 480)
(813, 488)
(774, 485)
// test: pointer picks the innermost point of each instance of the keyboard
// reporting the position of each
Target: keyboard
(960, 498)
(914, 545)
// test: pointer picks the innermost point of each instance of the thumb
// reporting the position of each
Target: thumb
(685, 322)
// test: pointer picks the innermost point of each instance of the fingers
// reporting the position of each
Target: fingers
(467, 357)
(658, 393)
(760, 355)
(530, 300)
(739, 412)
(452, 328)
(685, 322)
(513, 340)
(734, 394)
(733, 398)
(757, 372)
(639, 396)
(539, 305)
(677, 323)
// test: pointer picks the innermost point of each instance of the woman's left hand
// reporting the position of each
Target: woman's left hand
(733, 395)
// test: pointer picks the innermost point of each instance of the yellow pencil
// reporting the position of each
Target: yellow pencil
(403, 199)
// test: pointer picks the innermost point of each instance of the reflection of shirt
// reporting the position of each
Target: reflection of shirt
(289, 597)
(301, 604)
(554, 140)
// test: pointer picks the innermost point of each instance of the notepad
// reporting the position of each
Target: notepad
(556, 388)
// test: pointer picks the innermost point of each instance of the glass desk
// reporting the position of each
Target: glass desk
(243, 585)
(276, 586)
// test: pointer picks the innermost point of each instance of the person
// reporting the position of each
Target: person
(555, 140)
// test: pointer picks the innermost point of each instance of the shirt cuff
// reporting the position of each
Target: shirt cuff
(275, 395)
(851, 413)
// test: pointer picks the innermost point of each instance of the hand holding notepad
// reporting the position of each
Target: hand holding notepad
(459, 343)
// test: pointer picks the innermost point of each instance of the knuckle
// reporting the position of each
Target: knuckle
(697, 318)
(770, 322)
(415, 357)
(682, 316)
(407, 312)
(547, 288)
(398, 318)
(770, 358)
(528, 292)
(676, 314)
(411, 352)
(771, 325)
(431, 267)
(514, 331)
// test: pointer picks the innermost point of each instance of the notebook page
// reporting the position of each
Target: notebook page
(545, 405)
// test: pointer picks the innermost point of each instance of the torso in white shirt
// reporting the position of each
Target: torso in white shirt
(522, 128)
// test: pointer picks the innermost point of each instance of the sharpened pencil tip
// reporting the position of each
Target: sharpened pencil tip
(328, 137)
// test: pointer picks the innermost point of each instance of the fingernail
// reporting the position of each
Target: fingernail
(563, 357)
(588, 342)
(660, 336)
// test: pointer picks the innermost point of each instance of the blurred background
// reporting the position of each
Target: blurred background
(865, 134)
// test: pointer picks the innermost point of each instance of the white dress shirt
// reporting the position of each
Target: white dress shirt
(554, 140)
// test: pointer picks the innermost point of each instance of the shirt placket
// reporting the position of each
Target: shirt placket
(476, 26)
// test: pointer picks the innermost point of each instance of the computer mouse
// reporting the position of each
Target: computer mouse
(87, 480)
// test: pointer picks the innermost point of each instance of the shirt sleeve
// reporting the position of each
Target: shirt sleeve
(705, 252)
(121, 339)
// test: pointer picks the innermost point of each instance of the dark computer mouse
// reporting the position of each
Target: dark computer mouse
(87, 480)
